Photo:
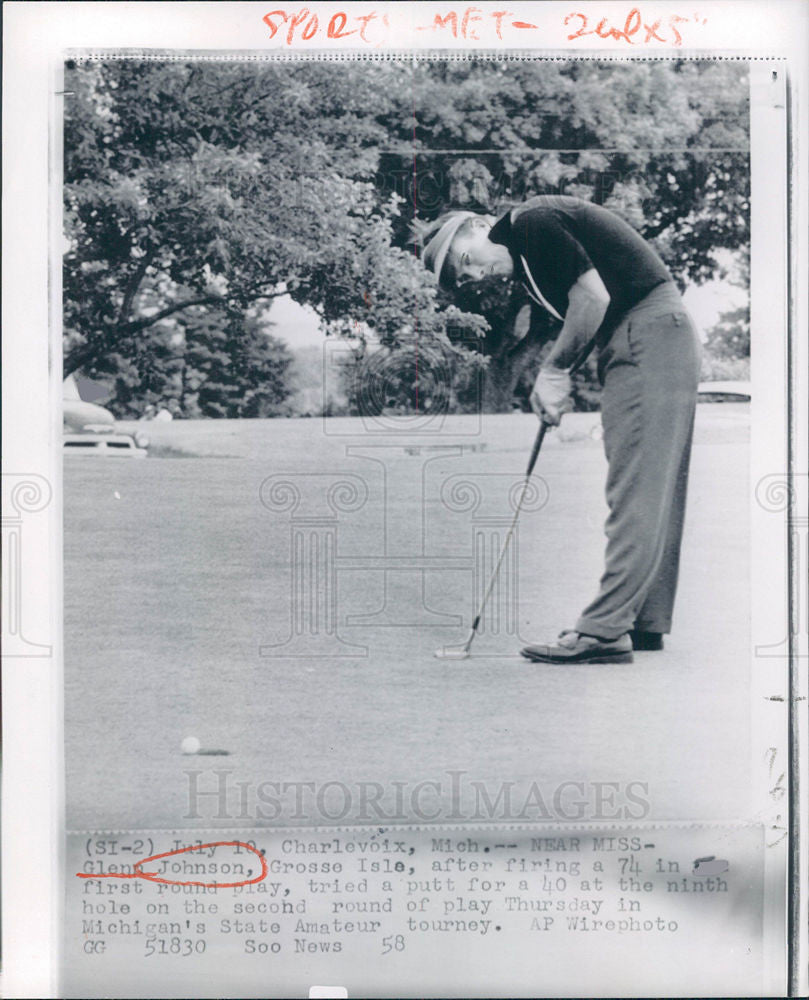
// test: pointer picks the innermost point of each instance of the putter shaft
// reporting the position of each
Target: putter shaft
(543, 430)
(504, 547)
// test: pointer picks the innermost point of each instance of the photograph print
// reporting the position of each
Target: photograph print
(406, 478)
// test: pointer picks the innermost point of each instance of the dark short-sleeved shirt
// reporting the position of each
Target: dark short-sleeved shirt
(554, 239)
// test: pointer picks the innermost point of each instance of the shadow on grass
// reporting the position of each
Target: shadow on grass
(168, 451)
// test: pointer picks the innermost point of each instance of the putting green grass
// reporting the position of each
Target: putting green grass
(171, 590)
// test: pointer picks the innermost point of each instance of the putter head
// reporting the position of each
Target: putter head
(452, 653)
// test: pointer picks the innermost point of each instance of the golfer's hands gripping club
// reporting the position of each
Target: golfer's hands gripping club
(550, 397)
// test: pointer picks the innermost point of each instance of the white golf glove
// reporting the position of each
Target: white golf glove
(551, 394)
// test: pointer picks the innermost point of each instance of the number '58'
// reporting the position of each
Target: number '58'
(393, 942)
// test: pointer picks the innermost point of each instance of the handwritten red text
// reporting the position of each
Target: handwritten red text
(637, 29)
(138, 872)
(464, 25)
(373, 27)
(306, 25)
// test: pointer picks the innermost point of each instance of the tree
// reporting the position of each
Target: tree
(411, 377)
(665, 145)
(233, 368)
(729, 339)
(203, 363)
(223, 185)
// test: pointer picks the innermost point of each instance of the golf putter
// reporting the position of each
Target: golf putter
(462, 652)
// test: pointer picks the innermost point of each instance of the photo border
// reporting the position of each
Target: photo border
(31, 443)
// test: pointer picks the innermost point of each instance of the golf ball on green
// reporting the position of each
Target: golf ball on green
(190, 745)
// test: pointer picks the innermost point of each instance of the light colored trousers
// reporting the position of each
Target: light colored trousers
(649, 370)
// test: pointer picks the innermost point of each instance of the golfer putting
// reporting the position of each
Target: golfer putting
(611, 291)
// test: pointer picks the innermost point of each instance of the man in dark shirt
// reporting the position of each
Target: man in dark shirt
(596, 274)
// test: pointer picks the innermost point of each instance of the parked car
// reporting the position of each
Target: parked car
(723, 392)
(118, 445)
(89, 429)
